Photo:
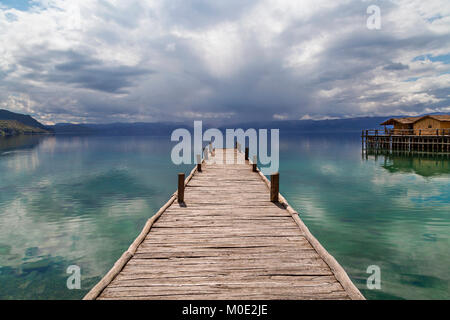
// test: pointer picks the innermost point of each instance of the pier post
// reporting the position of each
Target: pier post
(367, 139)
(246, 153)
(199, 163)
(255, 163)
(274, 187)
(362, 140)
(180, 187)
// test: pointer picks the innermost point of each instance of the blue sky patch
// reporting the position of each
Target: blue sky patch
(442, 58)
(412, 79)
(22, 5)
(437, 17)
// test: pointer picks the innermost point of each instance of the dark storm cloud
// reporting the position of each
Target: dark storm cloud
(107, 79)
(80, 70)
(396, 66)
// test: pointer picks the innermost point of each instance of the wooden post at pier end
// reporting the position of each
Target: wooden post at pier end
(274, 187)
(246, 154)
(199, 163)
(255, 163)
(180, 187)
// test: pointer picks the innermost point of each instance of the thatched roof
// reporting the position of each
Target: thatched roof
(412, 120)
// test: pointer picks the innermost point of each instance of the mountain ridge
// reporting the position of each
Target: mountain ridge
(14, 128)
(163, 128)
(22, 118)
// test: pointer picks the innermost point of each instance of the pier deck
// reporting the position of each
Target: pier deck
(227, 241)
(436, 141)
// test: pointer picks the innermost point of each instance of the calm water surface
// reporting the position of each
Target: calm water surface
(82, 201)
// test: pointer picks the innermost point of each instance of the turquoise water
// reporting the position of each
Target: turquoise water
(82, 201)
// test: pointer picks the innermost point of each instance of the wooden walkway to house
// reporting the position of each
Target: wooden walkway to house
(227, 241)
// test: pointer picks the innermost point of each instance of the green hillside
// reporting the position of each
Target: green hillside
(13, 128)
(22, 118)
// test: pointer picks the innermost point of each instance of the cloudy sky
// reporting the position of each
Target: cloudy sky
(225, 60)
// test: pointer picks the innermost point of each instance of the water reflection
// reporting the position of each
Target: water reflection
(17, 143)
(423, 164)
(385, 210)
(74, 201)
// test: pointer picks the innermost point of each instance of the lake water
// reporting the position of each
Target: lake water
(82, 201)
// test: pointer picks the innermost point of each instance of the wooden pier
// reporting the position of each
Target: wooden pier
(407, 140)
(226, 234)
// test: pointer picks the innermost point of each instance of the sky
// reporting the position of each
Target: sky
(98, 61)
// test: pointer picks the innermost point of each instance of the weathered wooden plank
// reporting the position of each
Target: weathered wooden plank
(238, 253)
(220, 288)
(235, 255)
(306, 281)
(196, 296)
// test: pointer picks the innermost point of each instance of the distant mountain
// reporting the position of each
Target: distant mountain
(14, 128)
(165, 128)
(332, 125)
(74, 129)
(122, 129)
(24, 119)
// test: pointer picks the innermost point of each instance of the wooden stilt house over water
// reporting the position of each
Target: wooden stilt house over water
(425, 125)
(430, 133)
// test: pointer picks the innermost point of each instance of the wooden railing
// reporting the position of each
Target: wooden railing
(406, 132)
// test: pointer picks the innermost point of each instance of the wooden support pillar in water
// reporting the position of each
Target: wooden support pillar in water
(362, 140)
(180, 187)
(199, 163)
(255, 163)
(274, 187)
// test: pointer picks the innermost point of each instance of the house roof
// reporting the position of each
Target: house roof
(441, 117)
(407, 120)
(412, 120)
